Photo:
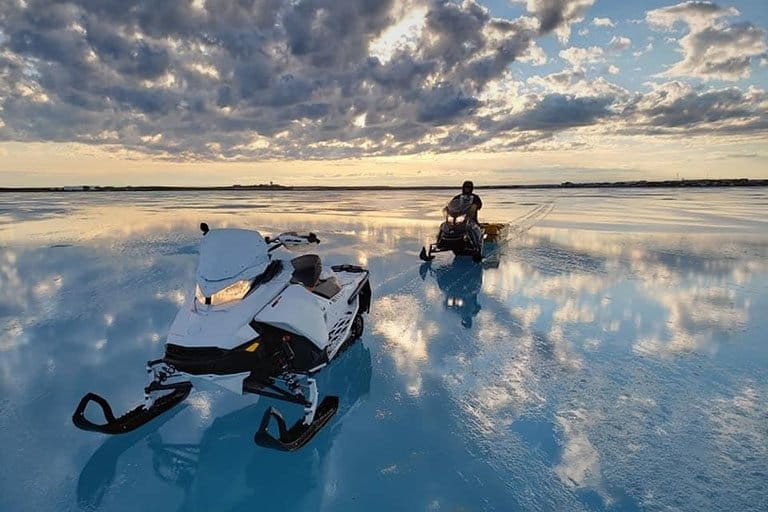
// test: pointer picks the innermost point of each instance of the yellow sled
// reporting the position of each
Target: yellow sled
(494, 231)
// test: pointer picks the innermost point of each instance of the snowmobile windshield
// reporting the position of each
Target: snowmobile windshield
(229, 257)
(457, 209)
(459, 205)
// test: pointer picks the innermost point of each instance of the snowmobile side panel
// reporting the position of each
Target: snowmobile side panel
(284, 351)
(282, 313)
(134, 418)
(198, 325)
(360, 286)
(299, 434)
(365, 297)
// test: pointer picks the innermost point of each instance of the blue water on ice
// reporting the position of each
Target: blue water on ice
(612, 355)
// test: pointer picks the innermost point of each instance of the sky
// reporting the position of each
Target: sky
(391, 92)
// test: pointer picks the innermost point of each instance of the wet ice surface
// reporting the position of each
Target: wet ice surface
(611, 356)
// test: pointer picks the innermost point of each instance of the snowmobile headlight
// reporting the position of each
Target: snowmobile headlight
(236, 291)
(459, 219)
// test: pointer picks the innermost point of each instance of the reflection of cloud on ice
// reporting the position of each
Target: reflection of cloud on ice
(547, 389)
(695, 317)
(497, 384)
(527, 315)
(400, 319)
(178, 296)
(563, 349)
(637, 432)
(11, 335)
(48, 286)
(580, 460)
(659, 296)
(691, 283)
(500, 379)
(63, 311)
(740, 430)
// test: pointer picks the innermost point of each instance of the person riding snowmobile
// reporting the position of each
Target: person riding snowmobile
(468, 196)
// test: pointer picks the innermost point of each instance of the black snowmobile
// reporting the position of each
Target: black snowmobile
(458, 233)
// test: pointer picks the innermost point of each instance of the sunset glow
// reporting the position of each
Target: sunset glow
(391, 92)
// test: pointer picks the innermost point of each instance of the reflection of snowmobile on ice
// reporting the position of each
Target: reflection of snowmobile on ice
(258, 324)
(460, 233)
(214, 471)
(461, 282)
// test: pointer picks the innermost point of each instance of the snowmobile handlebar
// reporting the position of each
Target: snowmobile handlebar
(291, 240)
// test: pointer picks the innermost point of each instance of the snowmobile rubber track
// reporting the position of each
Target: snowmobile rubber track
(299, 434)
(134, 418)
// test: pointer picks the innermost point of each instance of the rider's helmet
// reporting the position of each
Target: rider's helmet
(467, 187)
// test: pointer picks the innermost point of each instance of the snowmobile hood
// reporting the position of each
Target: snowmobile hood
(229, 255)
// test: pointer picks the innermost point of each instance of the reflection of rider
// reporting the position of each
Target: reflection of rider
(468, 196)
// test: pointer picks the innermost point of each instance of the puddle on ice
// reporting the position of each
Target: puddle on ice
(610, 355)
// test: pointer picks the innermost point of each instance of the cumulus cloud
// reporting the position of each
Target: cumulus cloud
(713, 48)
(307, 79)
(575, 83)
(213, 76)
(619, 44)
(676, 107)
(578, 57)
(648, 48)
(558, 15)
(603, 22)
(697, 14)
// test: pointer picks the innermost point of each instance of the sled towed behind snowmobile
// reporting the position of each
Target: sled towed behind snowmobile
(259, 324)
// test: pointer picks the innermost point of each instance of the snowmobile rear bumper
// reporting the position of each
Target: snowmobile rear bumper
(134, 418)
(299, 434)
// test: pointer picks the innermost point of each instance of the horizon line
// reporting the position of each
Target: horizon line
(277, 187)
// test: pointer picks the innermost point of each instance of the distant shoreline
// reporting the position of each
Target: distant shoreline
(707, 183)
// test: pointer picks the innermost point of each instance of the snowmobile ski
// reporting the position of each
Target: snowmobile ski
(300, 433)
(134, 418)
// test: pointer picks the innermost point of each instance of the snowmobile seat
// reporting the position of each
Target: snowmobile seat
(327, 287)
(306, 270)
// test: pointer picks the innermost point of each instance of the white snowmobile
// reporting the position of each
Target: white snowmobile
(258, 324)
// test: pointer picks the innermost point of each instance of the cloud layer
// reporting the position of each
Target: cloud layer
(713, 48)
(259, 79)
